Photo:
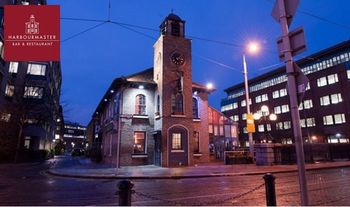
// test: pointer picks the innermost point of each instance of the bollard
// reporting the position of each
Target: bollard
(124, 192)
(270, 189)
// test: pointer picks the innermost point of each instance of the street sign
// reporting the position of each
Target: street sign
(301, 82)
(250, 123)
(291, 8)
(297, 43)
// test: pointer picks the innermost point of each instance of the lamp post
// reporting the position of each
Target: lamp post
(265, 113)
(252, 48)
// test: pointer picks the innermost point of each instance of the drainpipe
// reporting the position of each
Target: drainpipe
(119, 125)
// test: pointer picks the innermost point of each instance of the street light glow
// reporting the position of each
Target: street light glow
(253, 47)
(273, 117)
(210, 86)
(264, 109)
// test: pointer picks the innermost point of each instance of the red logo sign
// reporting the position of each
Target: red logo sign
(32, 33)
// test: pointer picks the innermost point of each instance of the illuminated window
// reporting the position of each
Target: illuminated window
(139, 142)
(279, 125)
(195, 108)
(210, 129)
(36, 69)
(216, 130)
(277, 110)
(196, 142)
(10, 90)
(2, 49)
(264, 97)
(13, 67)
(243, 103)
(285, 108)
(275, 94)
(308, 104)
(33, 92)
(339, 118)
(348, 72)
(336, 98)
(258, 99)
(27, 142)
(261, 128)
(302, 123)
(332, 79)
(321, 81)
(325, 101)
(235, 118)
(140, 104)
(244, 116)
(5, 117)
(286, 125)
(328, 120)
(176, 141)
(310, 122)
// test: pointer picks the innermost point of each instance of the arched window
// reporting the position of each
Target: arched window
(177, 103)
(195, 108)
(140, 104)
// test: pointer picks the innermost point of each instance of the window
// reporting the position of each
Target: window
(227, 130)
(139, 142)
(277, 110)
(286, 125)
(235, 105)
(243, 103)
(261, 128)
(275, 94)
(328, 120)
(279, 125)
(177, 103)
(140, 104)
(244, 116)
(36, 69)
(5, 117)
(10, 90)
(195, 108)
(258, 99)
(264, 97)
(13, 67)
(27, 142)
(210, 129)
(2, 49)
(285, 108)
(348, 72)
(158, 104)
(336, 98)
(307, 87)
(216, 130)
(302, 123)
(176, 141)
(33, 92)
(339, 118)
(175, 28)
(321, 82)
(196, 142)
(332, 79)
(235, 118)
(310, 122)
(324, 100)
(308, 104)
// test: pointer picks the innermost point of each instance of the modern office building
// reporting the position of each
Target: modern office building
(30, 110)
(324, 111)
(74, 136)
(159, 115)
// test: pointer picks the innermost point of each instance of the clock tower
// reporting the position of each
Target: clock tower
(173, 75)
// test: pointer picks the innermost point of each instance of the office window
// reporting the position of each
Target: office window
(235, 105)
(285, 108)
(339, 118)
(286, 125)
(33, 92)
(277, 110)
(325, 101)
(308, 104)
(279, 125)
(13, 67)
(328, 120)
(140, 104)
(283, 92)
(258, 99)
(261, 128)
(321, 81)
(26, 142)
(235, 118)
(302, 123)
(176, 141)
(336, 98)
(348, 72)
(268, 127)
(10, 90)
(243, 103)
(310, 122)
(307, 87)
(244, 116)
(275, 94)
(332, 79)
(264, 97)
(36, 69)
(196, 142)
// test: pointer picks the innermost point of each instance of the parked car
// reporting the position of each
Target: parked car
(77, 152)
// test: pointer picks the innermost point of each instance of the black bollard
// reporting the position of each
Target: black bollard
(125, 190)
(270, 189)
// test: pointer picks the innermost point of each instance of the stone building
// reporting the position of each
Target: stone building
(159, 115)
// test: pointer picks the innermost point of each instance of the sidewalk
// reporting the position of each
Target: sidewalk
(83, 168)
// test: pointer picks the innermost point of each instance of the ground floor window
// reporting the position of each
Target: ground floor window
(176, 141)
(139, 142)
(26, 142)
(196, 142)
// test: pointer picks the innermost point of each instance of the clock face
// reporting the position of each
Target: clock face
(177, 58)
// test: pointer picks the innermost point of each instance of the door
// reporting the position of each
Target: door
(157, 148)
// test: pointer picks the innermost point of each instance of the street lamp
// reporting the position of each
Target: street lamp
(252, 48)
(265, 114)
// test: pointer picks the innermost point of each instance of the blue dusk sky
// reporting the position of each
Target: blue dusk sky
(92, 59)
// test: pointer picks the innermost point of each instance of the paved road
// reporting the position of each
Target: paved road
(27, 184)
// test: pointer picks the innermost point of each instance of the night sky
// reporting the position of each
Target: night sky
(91, 61)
